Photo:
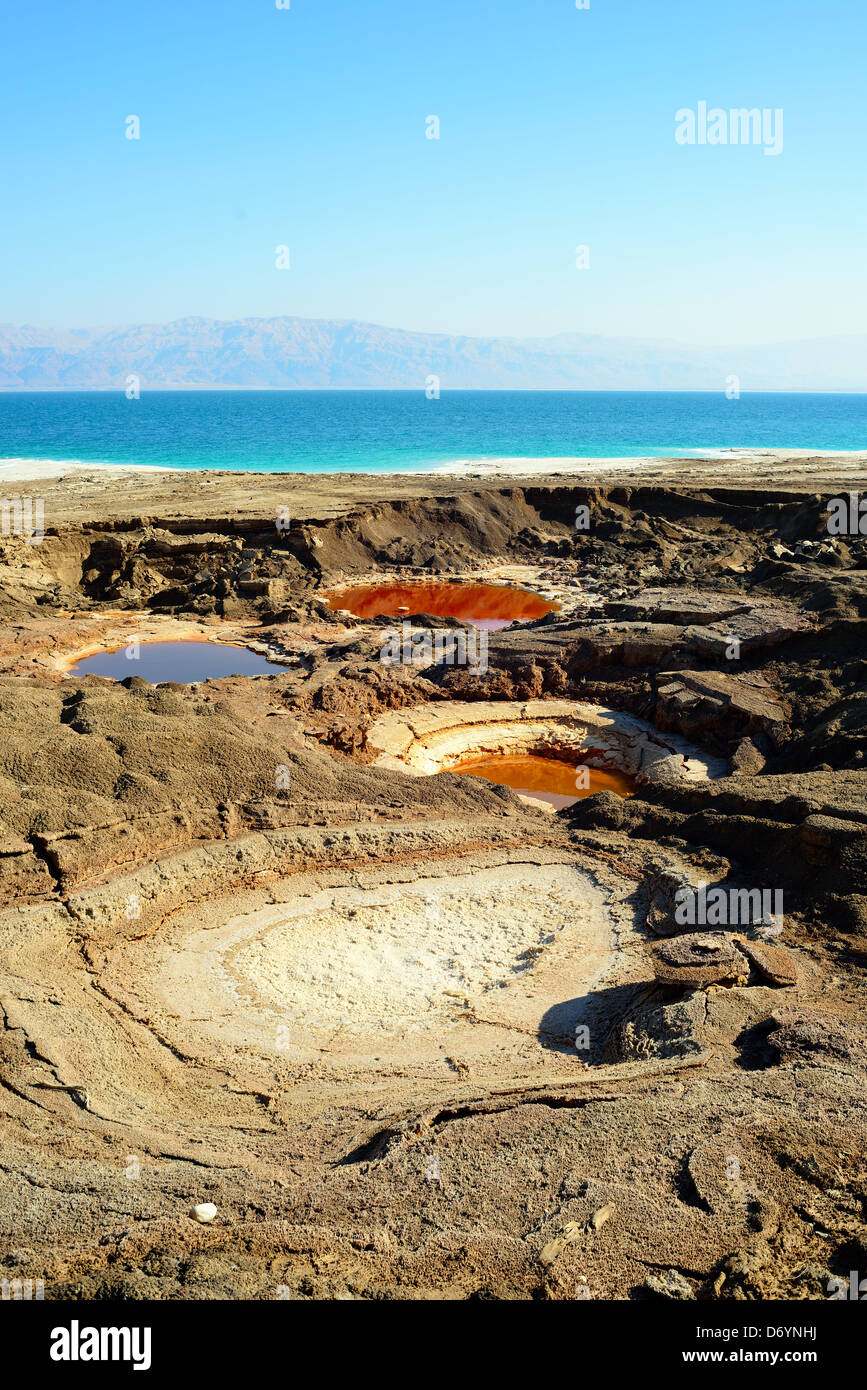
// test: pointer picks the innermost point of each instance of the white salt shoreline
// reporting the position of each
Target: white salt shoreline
(31, 470)
(34, 470)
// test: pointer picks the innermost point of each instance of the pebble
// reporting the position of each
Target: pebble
(205, 1211)
(598, 1219)
(670, 1284)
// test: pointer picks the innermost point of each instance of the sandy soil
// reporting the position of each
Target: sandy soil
(407, 1032)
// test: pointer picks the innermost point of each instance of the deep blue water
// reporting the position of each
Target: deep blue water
(336, 431)
(178, 661)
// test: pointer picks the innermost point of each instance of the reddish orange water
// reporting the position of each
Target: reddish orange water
(489, 606)
(545, 779)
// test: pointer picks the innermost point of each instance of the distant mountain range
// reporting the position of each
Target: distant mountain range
(336, 354)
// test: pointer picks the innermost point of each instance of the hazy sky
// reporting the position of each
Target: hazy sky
(263, 127)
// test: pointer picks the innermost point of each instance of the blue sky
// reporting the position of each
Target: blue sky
(306, 127)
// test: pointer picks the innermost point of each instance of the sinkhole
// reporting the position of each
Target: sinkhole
(552, 780)
(360, 965)
(554, 751)
(489, 606)
(183, 662)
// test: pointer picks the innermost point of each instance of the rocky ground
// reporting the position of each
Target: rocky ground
(412, 1036)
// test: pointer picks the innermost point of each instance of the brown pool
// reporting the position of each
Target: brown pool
(490, 606)
(544, 779)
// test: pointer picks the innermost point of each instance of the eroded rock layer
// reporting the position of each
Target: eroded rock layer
(414, 1037)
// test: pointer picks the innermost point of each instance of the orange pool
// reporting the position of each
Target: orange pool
(490, 606)
(545, 779)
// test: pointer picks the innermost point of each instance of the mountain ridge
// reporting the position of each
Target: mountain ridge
(287, 352)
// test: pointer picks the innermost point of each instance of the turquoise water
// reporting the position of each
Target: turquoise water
(380, 431)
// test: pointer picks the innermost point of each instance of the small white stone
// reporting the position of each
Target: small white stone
(205, 1211)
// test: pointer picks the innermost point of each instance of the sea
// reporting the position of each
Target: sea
(405, 431)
